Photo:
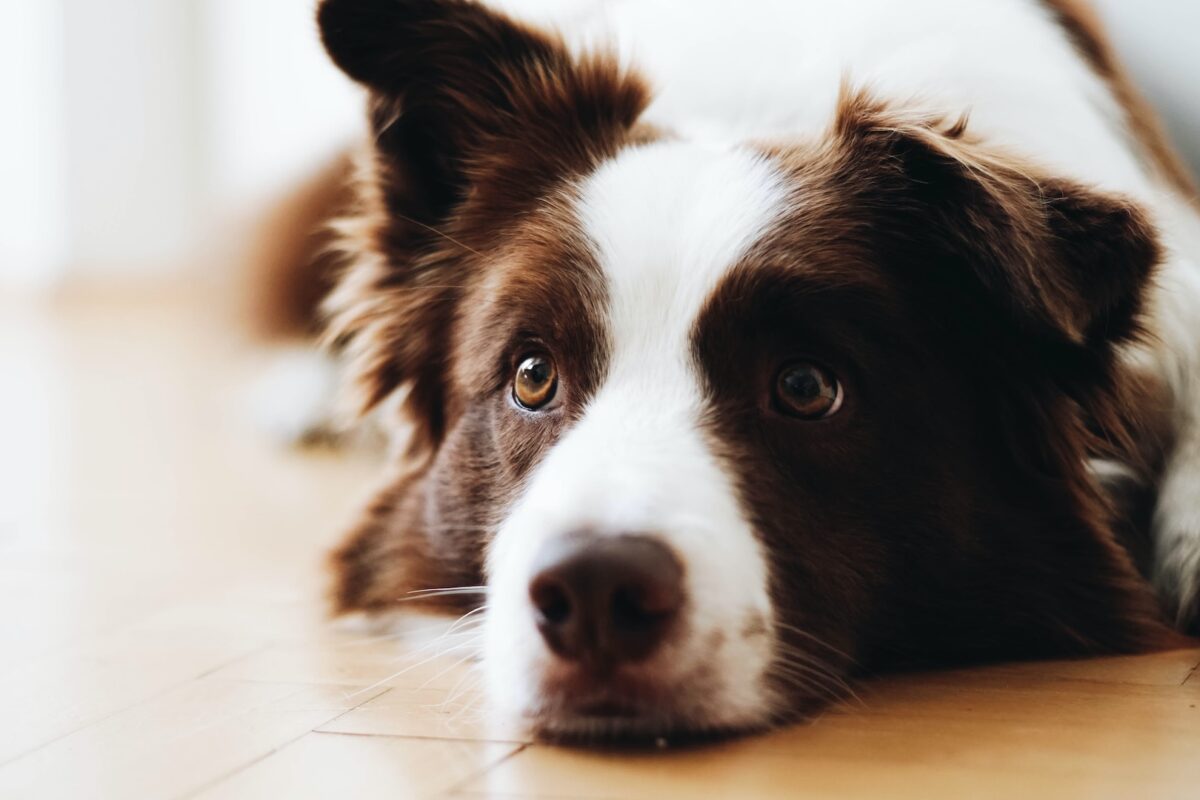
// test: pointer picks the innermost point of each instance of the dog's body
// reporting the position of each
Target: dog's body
(738, 359)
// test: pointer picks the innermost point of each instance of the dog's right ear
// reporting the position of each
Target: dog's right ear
(467, 101)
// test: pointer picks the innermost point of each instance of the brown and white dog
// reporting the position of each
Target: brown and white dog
(748, 346)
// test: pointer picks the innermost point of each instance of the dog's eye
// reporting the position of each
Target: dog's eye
(807, 391)
(535, 382)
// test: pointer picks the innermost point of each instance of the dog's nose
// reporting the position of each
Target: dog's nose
(603, 601)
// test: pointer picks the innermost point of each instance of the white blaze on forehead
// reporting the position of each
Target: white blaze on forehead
(668, 221)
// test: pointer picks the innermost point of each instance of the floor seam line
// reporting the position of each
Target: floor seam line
(418, 737)
(479, 773)
(105, 717)
(279, 748)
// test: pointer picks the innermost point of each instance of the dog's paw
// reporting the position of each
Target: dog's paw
(293, 398)
(1177, 577)
(1177, 548)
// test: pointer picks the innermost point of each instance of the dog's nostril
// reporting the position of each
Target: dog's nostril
(627, 609)
(637, 606)
(551, 601)
(605, 600)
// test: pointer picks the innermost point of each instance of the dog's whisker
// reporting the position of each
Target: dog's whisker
(815, 677)
(457, 663)
(466, 620)
(815, 671)
(441, 653)
(805, 656)
(449, 590)
(814, 639)
(453, 630)
(786, 650)
(468, 682)
(810, 662)
(812, 683)
(473, 641)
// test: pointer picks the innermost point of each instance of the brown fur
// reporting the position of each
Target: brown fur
(293, 262)
(989, 302)
(429, 528)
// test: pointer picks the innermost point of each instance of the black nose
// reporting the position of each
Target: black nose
(603, 601)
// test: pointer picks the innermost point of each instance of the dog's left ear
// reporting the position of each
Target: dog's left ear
(1066, 263)
(467, 101)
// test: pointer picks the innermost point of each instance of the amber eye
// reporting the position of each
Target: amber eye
(807, 391)
(535, 382)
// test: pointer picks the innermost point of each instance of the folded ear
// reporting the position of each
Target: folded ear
(1065, 262)
(465, 98)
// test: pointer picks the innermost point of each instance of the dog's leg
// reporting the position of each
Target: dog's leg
(1177, 516)
(293, 397)
(1177, 531)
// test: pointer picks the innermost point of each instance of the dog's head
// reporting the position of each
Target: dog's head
(719, 423)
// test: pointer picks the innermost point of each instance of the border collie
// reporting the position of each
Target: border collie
(746, 347)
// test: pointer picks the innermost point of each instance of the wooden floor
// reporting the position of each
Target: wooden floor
(162, 633)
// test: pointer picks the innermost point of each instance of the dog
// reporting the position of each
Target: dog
(745, 348)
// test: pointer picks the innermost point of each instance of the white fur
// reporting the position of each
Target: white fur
(667, 221)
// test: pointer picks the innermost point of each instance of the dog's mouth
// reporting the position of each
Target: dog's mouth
(621, 726)
(629, 709)
(609, 641)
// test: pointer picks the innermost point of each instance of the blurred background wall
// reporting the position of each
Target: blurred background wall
(140, 133)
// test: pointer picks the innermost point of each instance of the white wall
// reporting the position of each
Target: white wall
(132, 133)
(32, 180)
(99, 151)
(1160, 42)
(275, 105)
(135, 129)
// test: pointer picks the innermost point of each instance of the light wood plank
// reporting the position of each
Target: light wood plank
(177, 743)
(435, 713)
(162, 570)
(323, 765)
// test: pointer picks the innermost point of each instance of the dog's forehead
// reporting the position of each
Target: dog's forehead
(668, 221)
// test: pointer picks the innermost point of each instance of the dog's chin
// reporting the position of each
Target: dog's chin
(636, 714)
(612, 726)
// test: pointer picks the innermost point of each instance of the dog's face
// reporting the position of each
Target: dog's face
(719, 424)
